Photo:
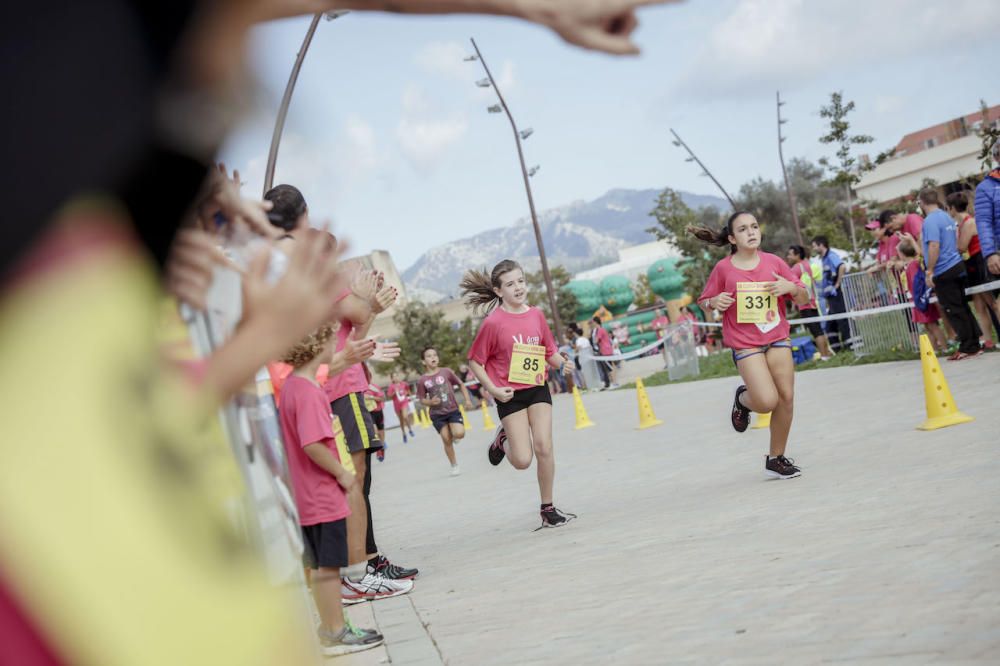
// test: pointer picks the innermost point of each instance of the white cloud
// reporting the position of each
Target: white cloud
(766, 44)
(888, 104)
(446, 58)
(424, 134)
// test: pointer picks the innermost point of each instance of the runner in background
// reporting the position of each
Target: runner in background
(509, 356)
(798, 259)
(399, 391)
(374, 403)
(471, 383)
(600, 341)
(750, 288)
(435, 390)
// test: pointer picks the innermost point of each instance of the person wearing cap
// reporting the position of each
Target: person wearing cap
(887, 242)
(988, 214)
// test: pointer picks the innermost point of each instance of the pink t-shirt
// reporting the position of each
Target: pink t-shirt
(439, 384)
(495, 340)
(351, 380)
(913, 225)
(399, 392)
(887, 248)
(306, 419)
(659, 324)
(604, 342)
(375, 391)
(724, 278)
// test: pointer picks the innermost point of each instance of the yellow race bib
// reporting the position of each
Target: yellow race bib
(527, 365)
(754, 305)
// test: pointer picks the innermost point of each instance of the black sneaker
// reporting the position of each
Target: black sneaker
(740, 415)
(393, 572)
(553, 517)
(496, 452)
(781, 468)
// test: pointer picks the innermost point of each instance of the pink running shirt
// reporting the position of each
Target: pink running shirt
(351, 380)
(495, 340)
(724, 278)
(306, 419)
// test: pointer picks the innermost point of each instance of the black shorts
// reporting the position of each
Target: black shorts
(325, 545)
(975, 271)
(815, 328)
(523, 399)
(378, 419)
(440, 421)
(359, 431)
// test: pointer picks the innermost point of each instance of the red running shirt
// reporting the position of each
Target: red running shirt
(494, 343)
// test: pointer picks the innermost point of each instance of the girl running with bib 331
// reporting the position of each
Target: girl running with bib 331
(510, 356)
(750, 287)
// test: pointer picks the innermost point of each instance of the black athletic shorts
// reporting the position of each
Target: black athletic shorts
(975, 271)
(378, 419)
(815, 328)
(440, 421)
(325, 545)
(359, 431)
(523, 399)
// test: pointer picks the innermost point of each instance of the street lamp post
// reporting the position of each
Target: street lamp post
(527, 187)
(704, 170)
(279, 123)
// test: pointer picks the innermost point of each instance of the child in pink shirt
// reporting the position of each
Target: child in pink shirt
(321, 472)
(509, 358)
(930, 317)
(400, 393)
(750, 288)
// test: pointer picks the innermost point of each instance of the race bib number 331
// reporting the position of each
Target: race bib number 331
(527, 365)
(754, 305)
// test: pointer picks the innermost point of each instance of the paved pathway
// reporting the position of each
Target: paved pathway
(886, 550)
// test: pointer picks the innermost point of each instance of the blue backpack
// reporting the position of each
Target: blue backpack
(921, 292)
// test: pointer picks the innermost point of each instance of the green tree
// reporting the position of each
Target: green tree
(989, 133)
(565, 299)
(644, 294)
(421, 327)
(673, 217)
(846, 170)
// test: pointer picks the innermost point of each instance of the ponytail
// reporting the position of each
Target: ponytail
(718, 238)
(478, 285)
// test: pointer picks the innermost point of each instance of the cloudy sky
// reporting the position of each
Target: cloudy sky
(389, 138)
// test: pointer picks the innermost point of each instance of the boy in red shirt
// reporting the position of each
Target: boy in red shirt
(434, 390)
(750, 288)
(317, 455)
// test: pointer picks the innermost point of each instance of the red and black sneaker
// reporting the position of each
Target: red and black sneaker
(741, 415)
(553, 517)
(389, 570)
(496, 451)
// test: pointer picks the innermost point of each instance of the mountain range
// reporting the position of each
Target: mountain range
(578, 236)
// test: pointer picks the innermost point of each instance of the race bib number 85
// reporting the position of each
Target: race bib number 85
(527, 365)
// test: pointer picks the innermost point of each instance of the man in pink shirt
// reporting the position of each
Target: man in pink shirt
(600, 340)
(659, 324)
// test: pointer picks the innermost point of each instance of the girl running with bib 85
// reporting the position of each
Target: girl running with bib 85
(509, 357)
(750, 287)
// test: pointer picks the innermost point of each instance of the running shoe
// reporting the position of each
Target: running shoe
(455, 471)
(961, 356)
(411, 433)
(380, 454)
(553, 517)
(404, 437)
(781, 467)
(348, 640)
(391, 571)
(496, 452)
(376, 586)
(349, 594)
(740, 415)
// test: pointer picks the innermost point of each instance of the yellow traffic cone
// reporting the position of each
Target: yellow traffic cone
(647, 419)
(425, 418)
(941, 408)
(582, 420)
(762, 421)
(488, 424)
(465, 419)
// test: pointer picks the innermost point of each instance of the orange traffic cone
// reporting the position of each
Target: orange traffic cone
(582, 420)
(488, 424)
(941, 408)
(762, 421)
(647, 419)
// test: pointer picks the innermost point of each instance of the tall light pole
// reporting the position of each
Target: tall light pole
(784, 172)
(279, 123)
(527, 187)
(704, 170)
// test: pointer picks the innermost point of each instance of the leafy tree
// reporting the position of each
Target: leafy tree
(565, 300)
(846, 170)
(989, 133)
(673, 217)
(421, 327)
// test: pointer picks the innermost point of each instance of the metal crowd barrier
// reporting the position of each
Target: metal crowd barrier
(892, 330)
